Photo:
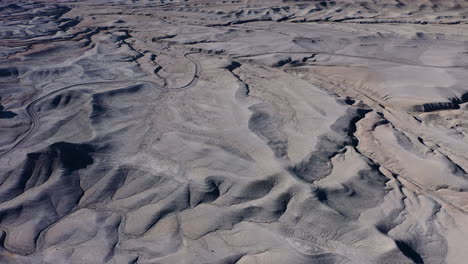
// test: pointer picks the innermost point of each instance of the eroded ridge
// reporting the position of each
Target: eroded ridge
(204, 131)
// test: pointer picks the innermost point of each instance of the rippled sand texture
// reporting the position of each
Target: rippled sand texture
(245, 131)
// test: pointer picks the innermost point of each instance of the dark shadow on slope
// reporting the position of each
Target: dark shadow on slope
(409, 252)
(74, 156)
(318, 164)
(6, 114)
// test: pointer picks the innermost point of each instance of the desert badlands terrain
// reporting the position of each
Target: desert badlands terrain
(243, 131)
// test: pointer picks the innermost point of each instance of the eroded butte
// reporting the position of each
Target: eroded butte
(204, 131)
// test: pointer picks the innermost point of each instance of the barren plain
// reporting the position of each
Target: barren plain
(237, 132)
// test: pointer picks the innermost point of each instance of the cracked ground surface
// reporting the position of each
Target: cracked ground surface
(206, 131)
